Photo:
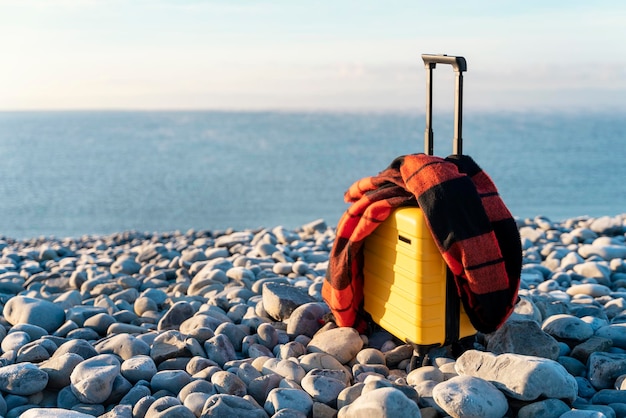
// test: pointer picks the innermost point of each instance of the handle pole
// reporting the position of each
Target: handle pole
(459, 65)
(428, 133)
(457, 141)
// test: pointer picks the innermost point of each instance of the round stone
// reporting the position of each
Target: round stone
(468, 396)
(138, 368)
(80, 347)
(424, 373)
(53, 413)
(280, 300)
(14, 341)
(591, 289)
(286, 398)
(322, 388)
(176, 315)
(386, 402)
(567, 327)
(22, 379)
(267, 335)
(289, 369)
(342, 343)
(235, 333)
(170, 380)
(92, 380)
(125, 265)
(126, 346)
(39, 312)
(220, 349)
(370, 356)
(228, 383)
(100, 323)
(306, 319)
(196, 386)
(222, 405)
(59, 369)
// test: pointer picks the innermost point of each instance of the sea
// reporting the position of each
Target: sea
(76, 173)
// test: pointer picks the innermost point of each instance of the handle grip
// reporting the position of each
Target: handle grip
(459, 65)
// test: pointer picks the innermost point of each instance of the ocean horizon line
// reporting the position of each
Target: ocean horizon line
(322, 110)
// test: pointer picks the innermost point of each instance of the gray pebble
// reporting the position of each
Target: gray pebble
(176, 411)
(567, 328)
(398, 354)
(425, 373)
(223, 405)
(170, 380)
(582, 413)
(14, 341)
(195, 402)
(306, 319)
(197, 363)
(470, 396)
(370, 356)
(161, 404)
(342, 343)
(53, 413)
(125, 265)
(59, 369)
(289, 369)
(521, 377)
(523, 336)
(257, 350)
(267, 335)
(260, 387)
(135, 394)
(322, 388)
(284, 398)
(614, 332)
(169, 344)
(141, 407)
(349, 394)
(585, 388)
(34, 332)
(235, 334)
(545, 408)
(290, 349)
(385, 402)
(176, 315)
(197, 386)
(126, 346)
(22, 379)
(87, 334)
(228, 383)
(92, 380)
(280, 300)
(39, 312)
(220, 349)
(80, 347)
(605, 368)
(144, 304)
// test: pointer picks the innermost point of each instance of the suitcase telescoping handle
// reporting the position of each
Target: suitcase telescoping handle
(459, 66)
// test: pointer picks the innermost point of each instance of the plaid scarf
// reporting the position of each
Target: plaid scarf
(474, 231)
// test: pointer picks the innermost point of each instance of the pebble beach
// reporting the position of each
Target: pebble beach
(232, 324)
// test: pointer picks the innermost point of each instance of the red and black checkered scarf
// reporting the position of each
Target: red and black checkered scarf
(474, 231)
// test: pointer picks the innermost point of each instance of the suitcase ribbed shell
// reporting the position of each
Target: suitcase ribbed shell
(405, 281)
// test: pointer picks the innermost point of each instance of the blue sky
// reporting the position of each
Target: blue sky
(341, 54)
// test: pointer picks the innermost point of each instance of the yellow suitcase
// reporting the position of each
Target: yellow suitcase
(408, 289)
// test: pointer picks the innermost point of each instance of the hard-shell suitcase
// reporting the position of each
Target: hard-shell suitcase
(408, 289)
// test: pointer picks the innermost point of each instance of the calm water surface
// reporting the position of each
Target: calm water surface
(76, 173)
